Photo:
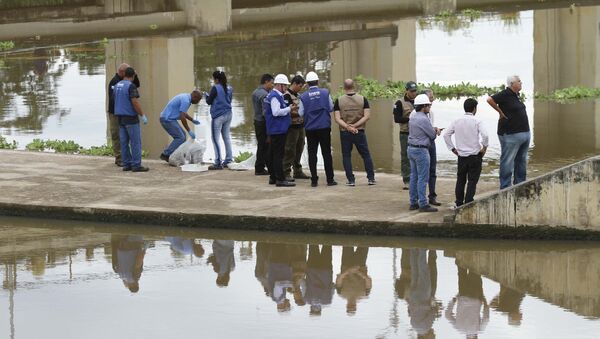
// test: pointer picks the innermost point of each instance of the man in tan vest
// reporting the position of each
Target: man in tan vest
(351, 113)
(294, 141)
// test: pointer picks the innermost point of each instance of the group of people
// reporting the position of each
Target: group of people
(418, 150)
(284, 117)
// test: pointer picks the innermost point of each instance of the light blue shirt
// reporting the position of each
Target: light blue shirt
(180, 103)
(420, 130)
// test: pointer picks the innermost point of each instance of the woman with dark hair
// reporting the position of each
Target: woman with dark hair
(219, 99)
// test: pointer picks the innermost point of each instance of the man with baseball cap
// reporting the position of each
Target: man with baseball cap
(402, 109)
(277, 115)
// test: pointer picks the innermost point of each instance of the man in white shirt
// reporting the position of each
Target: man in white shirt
(470, 145)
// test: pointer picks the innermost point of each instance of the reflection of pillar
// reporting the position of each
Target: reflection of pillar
(566, 53)
(382, 59)
(165, 67)
(208, 15)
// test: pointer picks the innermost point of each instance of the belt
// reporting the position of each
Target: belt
(418, 146)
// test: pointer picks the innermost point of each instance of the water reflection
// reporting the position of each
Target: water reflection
(296, 274)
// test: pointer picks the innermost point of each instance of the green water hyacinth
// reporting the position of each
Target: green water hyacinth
(570, 94)
(5, 144)
(242, 156)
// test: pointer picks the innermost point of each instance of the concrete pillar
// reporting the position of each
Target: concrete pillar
(165, 67)
(566, 53)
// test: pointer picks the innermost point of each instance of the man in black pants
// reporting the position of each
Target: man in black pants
(260, 126)
(471, 142)
(315, 107)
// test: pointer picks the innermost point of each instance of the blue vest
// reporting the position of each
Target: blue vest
(317, 113)
(276, 125)
(222, 103)
(123, 105)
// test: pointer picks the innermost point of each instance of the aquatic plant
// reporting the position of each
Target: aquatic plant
(242, 156)
(103, 151)
(570, 94)
(6, 45)
(373, 89)
(4, 144)
(71, 147)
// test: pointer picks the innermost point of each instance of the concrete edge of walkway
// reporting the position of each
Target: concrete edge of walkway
(285, 224)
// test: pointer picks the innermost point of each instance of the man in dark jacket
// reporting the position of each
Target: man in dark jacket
(113, 121)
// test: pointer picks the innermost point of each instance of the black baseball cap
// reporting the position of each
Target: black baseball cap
(411, 86)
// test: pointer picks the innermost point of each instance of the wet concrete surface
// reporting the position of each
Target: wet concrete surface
(81, 182)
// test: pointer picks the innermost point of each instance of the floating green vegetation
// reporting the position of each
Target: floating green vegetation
(451, 21)
(5, 144)
(6, 45)
(242, 156)
(71, 147)
(373, 89)
(570, 94)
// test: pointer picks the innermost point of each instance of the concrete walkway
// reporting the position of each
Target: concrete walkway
(92, 188)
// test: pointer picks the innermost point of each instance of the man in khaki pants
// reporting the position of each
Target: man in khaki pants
(113, 121)
(294, 142)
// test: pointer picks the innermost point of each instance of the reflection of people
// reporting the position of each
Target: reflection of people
(513, 132)
(175, 110)
(128, 259)
(112, 119)
(319, 278)
(470, 302)
(509, 301)
(298, 261)
(129, 111)
(353, 283)
(417, 285)
(315, 107)
(402, 110)
(222, 260)
(279, 274)
(260, 126)
(219, 99)
(185, 246)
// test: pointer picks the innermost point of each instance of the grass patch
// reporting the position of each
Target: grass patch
(6, 45)
(242, 156)
(5, 144)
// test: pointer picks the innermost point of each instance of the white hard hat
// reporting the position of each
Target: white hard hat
(312, 76)
(281, 79)
(422, 99)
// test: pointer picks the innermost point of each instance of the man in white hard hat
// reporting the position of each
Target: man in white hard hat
(277, 115)
(420, 136)
(315, 107)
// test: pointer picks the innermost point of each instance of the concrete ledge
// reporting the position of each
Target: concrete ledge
(298, 225)
(567, 197)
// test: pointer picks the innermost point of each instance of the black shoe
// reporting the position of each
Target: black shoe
(372, 182)
(125, 169)
(164, 157)
(434, 202)
(350, 183)
(314, 183)
(215, 167)
(289, 179)
(118, 163)
(225, 165)
(413, 207)
(271, 181)
(140, 169)
(428, 209)
(263, 172)
(301, 175)
(332, 183)
(284, 183)
(405, 187)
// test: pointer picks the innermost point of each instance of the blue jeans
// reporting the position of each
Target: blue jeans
(360, 140)
(131, 145)
(432, 174)
(419, 175)
(220, 128)
(513, 158)
(174, 129)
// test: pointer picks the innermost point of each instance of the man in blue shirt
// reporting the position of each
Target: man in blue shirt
(175, 110)
(315, 107)
(128, 110)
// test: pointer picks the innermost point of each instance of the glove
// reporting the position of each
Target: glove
(192, 135)
(196, 122)
(145, 119)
